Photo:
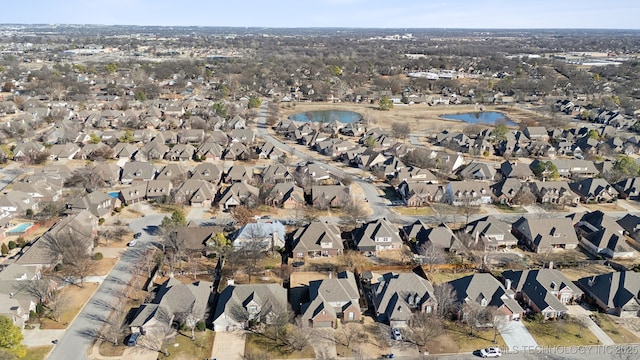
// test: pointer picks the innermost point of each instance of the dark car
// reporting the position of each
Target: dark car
(137, 235)
(133, 339)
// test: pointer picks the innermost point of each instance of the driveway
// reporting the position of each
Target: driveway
(37, 337)
(581, 313)
(229, 345)
(516, 336)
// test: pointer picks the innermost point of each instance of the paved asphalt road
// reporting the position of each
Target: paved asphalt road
(79, 336)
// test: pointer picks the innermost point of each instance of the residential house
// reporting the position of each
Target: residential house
(98, 203)
(207, 171)
(333, 300)
(554, 192)
(377, 235)
(265, 236)
(63, 151)
(542, 235)
(517, 170)
(196, 193)
(505, 191)
(476, 170)
(136, 171)
(276, 173)
(15, 303)
(25, 149)
(440, 237)
(107, 172)
(124, 151)
(209, 150)
(286, 196)
(239, 173)
(545, 291)
(417, 194)
(240, 304)
(397, 296)
(198, 239)
(535, 133)
(134, 193)
(482, 289)
(173, 299)
(492, 232)
(269, 151)
(415, 174)
(175, 173)
(316, 239)
(594, 190)
(601, 235)
(180, 152)
(244, 136)
(239, 193)
(616, 293)
(158, 190)
(329, 196)
(462, 193)
(630, 188)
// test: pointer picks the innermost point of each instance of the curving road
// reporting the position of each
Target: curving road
(83, 330)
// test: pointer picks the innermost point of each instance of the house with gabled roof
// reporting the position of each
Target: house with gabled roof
(482, 289)
(601, 235)
(492, 232)
(477, 170)
(515, 169)
(415, 174)
(239, 193)
(207, 171)
(397, 296)
(210, 151)
(316, 239)
(332, 300)
(239, 173)
(124, 151)
(173, 172)
(542, 235)
(417, 194)
(630, 187)
(324, 196)
(377, 235)
(545, 291)
(467, 192)
(23, 149)
(180, 152)
(158, 190)
(286, 196)
(594, 190)
(275, 174)
(197, 193)
(135, 171)
(554, 192)
(97, 203)
(63, 151)
(244, 136)
(172, 301)
(616, 293)
(134, 194)
(268, 235)
(441, 236)
(239, 304)
(506, 190)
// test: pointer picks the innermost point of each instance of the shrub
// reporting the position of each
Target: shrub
(201, 326)
(39, 308)
(97, 256)
(21, 242)
(12, 245)
(101, 221)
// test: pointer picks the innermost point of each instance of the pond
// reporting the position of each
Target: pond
(327, 116)
(480, 117)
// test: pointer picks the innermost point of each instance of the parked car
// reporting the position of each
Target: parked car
(133, 339)
(137, 235)
(395, 334)
(132, 242)
(491, 352)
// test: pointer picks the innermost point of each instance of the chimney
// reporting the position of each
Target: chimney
(550, 264)
(507, 284)
(330, 274)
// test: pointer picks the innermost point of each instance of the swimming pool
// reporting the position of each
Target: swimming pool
(20, 229)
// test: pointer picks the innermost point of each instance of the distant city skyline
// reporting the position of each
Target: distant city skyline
(487, 14)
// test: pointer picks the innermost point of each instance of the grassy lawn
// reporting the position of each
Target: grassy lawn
(37, 352)
(618, 333)
(411, 211)
(76, 298)
(560, 333)
(604, 207)
(188, 349)
(257, 344)
(466, 343)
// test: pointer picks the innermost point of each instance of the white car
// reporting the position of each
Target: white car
(490, 352)
(133, 242)
(395, 334)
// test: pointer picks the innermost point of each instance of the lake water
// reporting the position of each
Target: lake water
(480, 117)
(327, 116)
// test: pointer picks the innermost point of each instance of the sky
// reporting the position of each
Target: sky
(494, 14)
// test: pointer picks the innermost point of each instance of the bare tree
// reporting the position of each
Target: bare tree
(57, 303)
(157, 337)
(350, 335)
(72, 250)
(353, 214)
(40, 289)
(400, 130)
(86, 179)
(445, 296)
(431, 254)
(424, 327)
(242, 214)
(497, 319)
(298, 338)
(476, 316)
(524, 196)
(252, 248)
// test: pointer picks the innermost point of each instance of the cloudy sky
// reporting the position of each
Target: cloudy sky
(618, 14)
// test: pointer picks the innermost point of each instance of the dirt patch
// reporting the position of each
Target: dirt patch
(108, 349)
(104, 266)
(302, 278)
(574, 274)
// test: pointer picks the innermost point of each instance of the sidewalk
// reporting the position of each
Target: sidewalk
(583, 314)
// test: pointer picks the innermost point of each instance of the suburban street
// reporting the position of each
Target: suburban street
(81, 332)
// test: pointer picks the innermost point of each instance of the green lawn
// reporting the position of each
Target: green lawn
(37, 352)
(560, 333)
(188, 349)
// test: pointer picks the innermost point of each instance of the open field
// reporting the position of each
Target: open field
(616, 331)
(419, 116)
(459, 334)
